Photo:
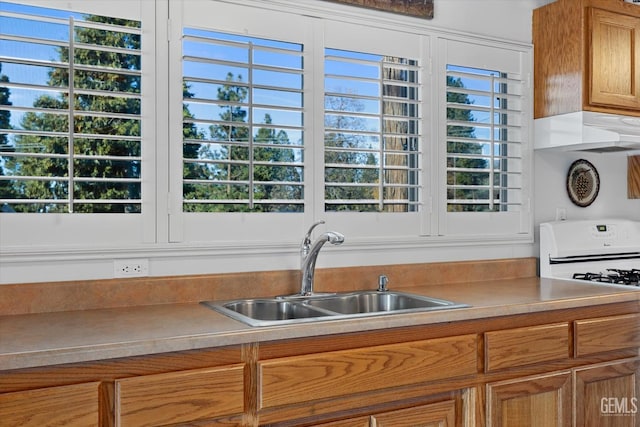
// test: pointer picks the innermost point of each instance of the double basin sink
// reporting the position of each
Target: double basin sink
(301, 309)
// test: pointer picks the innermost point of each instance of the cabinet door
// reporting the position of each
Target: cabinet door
(614, 60)
(537, 401)
(351, 422)
(180, 397)
(73, 405)
(607, 395)
(347, 372)
(440, 414)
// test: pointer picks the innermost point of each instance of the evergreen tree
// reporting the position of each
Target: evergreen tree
(463, 178)
(231, 160)
(6, 187)
(350, 156)
(107, 78)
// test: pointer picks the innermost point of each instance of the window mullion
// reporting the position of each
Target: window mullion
(492, 127)
(250, 124)
(70, 190)
(382, 142)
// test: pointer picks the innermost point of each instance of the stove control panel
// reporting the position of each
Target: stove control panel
(603, 231)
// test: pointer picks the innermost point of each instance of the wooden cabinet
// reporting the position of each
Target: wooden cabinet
(598, 395)
(299, 379)
(604, 395)
(541, 400)
(603, 334)
(72, 405)
(607, 395)
(586, 57)
(539, 369)
(439, 414)
(526, 346)
(614, 59)
(633, 177)
(179, 397)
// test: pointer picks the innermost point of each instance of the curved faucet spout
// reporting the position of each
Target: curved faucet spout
(309, 261)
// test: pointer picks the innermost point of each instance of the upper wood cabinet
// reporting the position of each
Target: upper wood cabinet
(614, 62)
(586, 57)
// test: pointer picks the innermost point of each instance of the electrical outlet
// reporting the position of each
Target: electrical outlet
(131, 267)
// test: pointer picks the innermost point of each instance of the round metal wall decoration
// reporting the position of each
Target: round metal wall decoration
(583, 183)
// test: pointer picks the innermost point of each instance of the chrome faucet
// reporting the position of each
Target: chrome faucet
(309, 253)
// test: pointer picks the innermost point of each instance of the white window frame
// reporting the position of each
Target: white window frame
(485, 225)
(53, 232)
(230, 229)
(85, 247)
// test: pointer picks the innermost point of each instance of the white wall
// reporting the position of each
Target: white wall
(550, 192)
(508, 19)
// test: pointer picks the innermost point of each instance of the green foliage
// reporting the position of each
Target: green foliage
(351, 157)
(111, 133)
(462, 178)
(7, 190)
(228, 163)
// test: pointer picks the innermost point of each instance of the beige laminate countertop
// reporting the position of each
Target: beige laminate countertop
(32, 340)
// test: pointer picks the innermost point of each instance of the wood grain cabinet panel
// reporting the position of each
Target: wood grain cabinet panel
(633, 177)
(364, 421)
(298, 379)
(541, 400)
(615, 59)
(606, 334)
(180, 397)
(526, 346)
(72, 405)
(440, 414)
(607, 394)
(586, 57)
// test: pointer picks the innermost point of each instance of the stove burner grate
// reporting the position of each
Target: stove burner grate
(612, 275)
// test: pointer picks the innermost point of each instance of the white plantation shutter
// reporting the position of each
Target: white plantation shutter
(372, 137)
(78, 155)
(484, 141)
(373, 112)
(245, 117)
(74, 144)
(487, 163)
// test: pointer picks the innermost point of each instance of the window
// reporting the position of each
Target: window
(71, 110)
(208, 136)
(371, 133)
(243, 124)
(484, 152)
(485, 184)
(77, 132)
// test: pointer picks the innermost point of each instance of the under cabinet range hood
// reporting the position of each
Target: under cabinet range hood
(588, 131)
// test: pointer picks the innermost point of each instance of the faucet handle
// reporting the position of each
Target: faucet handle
(382, 283)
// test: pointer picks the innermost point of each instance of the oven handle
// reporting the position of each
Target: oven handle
(591, 258)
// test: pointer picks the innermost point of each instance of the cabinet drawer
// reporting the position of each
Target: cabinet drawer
(525, 346)
(72, 405)
(607, 334)
(299, 379)
(180, 397)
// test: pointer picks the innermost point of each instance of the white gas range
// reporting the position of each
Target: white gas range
(605, 251)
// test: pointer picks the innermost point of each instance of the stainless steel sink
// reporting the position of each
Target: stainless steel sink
(270, 310)
(284, 310)
(374, 302)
